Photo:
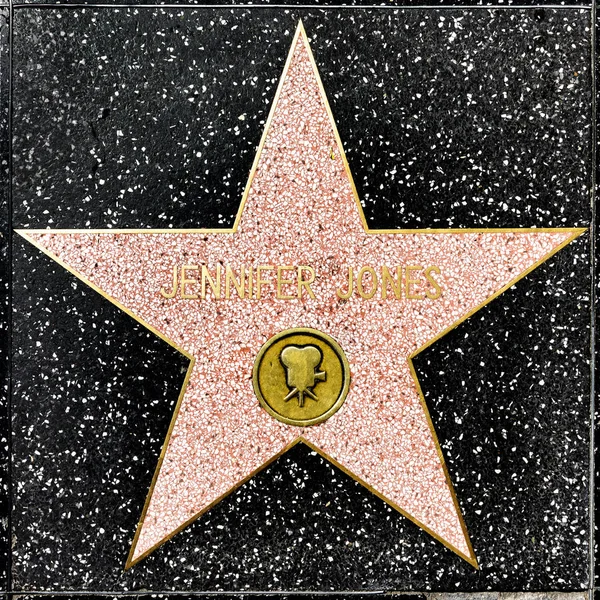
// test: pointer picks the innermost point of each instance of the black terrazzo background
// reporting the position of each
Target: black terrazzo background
(508, 391)
(345, 3)
(5, 219)
(450, 119)
(207, 597)
(596, 249)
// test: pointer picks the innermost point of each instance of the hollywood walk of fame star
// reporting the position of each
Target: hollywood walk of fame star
(300, 207)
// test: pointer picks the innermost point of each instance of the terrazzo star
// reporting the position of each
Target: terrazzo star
(356, 353)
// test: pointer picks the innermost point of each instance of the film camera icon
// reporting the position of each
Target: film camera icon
(301, 364)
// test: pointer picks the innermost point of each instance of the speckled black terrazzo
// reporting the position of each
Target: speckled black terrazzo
(383, 4)
(4, 299)
(222, 597)
(450, 118)
(596, 250)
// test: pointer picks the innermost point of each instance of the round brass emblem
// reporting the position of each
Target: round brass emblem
(301, 376)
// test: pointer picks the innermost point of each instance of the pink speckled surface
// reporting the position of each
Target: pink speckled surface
(301, 211)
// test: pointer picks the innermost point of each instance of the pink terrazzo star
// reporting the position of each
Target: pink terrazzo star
(300, 208)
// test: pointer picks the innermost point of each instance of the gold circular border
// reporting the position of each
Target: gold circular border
(345, 369)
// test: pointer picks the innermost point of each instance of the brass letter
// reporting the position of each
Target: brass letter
(239, 285)
(215, 285)
(386, 278)
(438, 290)
(345, 296)
(305, 282)
(170, 294)
(184, 281)
(410, 281)
(260, 281)
(359, 282)
(281, 281)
